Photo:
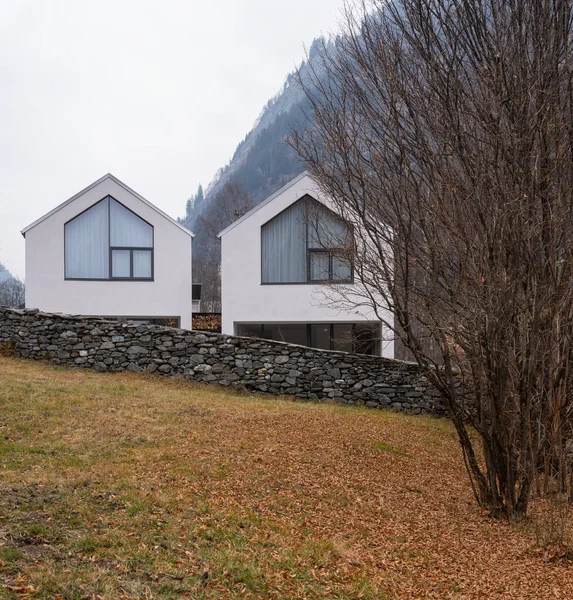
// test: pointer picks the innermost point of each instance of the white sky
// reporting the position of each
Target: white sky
(158, 93)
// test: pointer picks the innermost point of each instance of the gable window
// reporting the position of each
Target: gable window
(305, 244)
(108, 241)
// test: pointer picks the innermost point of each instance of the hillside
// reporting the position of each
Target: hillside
(263, 162)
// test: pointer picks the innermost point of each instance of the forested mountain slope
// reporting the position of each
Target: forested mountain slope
(262, 163)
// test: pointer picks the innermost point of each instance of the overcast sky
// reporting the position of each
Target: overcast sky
(157, 93)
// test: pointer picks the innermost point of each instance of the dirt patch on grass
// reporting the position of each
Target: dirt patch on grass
(149, 488)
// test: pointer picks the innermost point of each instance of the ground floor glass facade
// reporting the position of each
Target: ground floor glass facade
(360, 338)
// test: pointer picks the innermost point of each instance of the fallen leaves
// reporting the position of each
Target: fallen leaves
(235, 496)
(20, 587)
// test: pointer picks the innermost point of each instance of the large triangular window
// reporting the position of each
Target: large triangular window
(108, 241)
(306, 243)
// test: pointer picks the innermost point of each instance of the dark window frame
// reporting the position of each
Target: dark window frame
(111, 248)
(332, 252)
(131, 250)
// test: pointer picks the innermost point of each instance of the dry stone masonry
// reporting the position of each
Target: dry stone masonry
(246, 363)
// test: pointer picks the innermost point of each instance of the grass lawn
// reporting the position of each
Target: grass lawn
(127, 486)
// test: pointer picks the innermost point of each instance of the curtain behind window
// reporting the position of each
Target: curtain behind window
(326, 229)
(87, 244)
(283, 246)
(121, 263)
(142, 264)
(127, 229)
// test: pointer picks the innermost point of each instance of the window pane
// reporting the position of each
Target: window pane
(87, 244)
(292, 334)
(271, 332)
(320, 336)
(342, 339)
(249, 330)
(341, 269)
(319, 266)
(196, 291)
(367, 338)
(142, 264)
(120, 263)
(283, 246)
(326, 229)
(127, 229)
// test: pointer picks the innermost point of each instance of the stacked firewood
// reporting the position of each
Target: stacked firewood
(207, 321)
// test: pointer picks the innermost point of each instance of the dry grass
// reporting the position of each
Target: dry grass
(124, 486)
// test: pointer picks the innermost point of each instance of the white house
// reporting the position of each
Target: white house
(109, 252)
(275, 271)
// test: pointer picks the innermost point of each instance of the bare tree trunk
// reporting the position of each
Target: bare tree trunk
(442, 132)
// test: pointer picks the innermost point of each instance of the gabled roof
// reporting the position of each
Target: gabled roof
(96, 183)
(265, 202)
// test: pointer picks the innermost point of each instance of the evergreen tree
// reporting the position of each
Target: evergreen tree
(4, 273)
(199, 196)
(198, 200)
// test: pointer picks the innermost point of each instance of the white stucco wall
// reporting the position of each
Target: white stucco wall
(246, 300)
(169, 295)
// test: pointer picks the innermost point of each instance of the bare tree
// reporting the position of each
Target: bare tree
(11, 292)
(443, 132)
(230, 204)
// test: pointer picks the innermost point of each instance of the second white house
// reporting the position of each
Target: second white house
(275, 272)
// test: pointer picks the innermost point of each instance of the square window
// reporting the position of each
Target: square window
(319, 266)
(121, 263)
(142, 264)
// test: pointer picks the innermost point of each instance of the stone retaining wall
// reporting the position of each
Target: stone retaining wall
(246, 363)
